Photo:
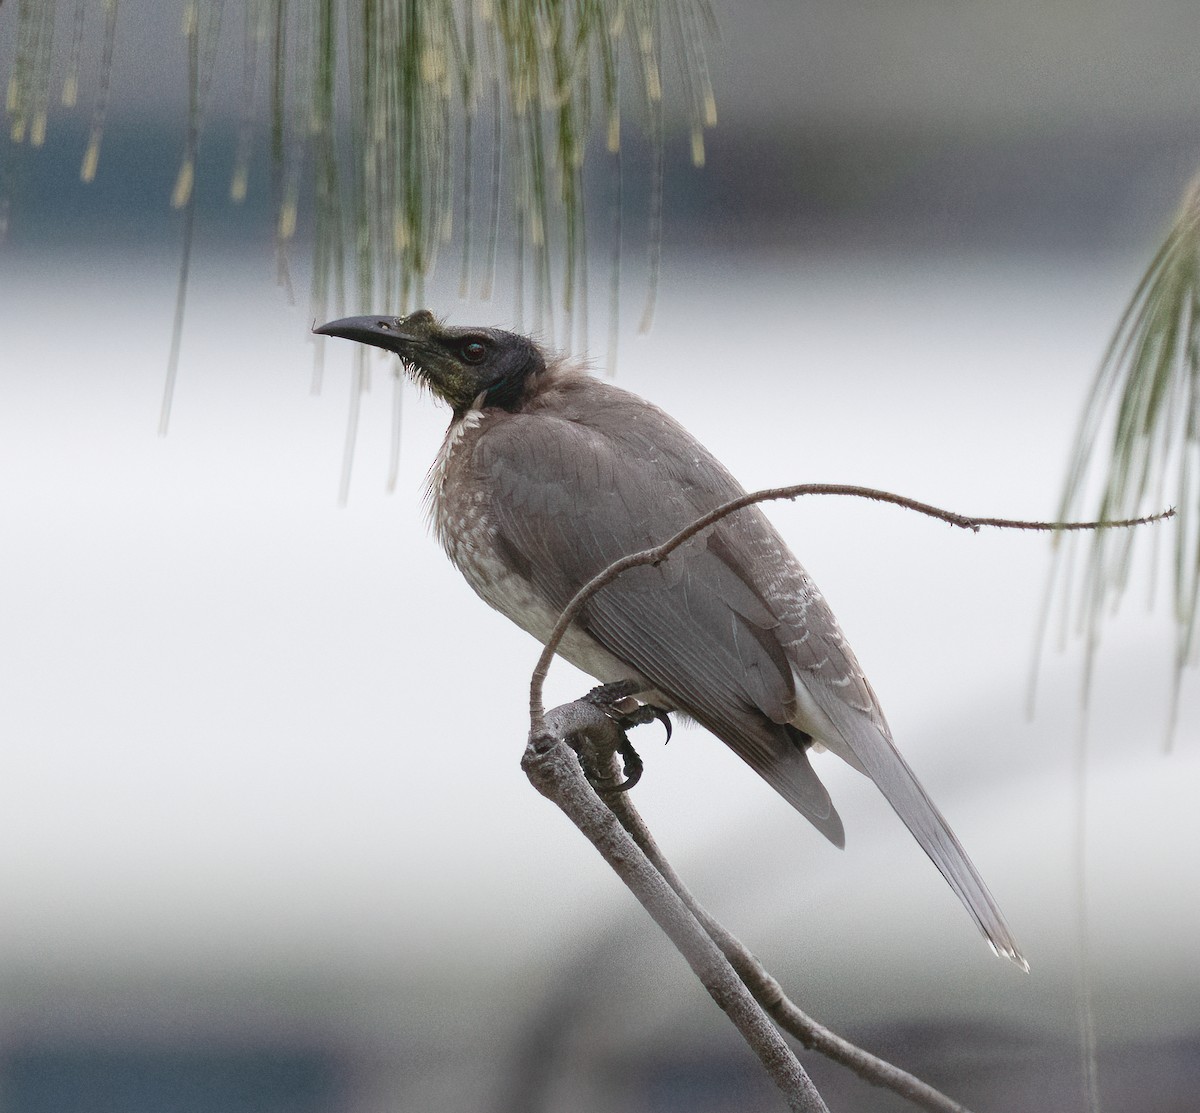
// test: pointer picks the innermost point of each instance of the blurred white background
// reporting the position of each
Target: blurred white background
(259, 784)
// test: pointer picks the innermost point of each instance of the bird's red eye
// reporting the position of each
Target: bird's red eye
(474, 352)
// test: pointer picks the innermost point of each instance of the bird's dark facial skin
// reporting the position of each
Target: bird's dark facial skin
(460, 365)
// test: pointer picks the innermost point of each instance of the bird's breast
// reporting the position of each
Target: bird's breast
(459, 505)
(460, 500)
(459, 497)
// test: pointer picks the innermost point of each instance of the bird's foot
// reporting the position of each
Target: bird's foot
(617, 701)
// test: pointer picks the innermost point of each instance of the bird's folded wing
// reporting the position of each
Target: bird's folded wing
(694, 627)
(730, 628)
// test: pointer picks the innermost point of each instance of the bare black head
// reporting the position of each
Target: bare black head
(460, 365)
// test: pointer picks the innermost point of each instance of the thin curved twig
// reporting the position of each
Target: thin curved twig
(658, 553)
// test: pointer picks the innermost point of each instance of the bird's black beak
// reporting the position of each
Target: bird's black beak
(381, 332)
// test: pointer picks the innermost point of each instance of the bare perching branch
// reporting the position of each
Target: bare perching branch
(571, 784)
(768, 992)
(658, 553)
(554, 770)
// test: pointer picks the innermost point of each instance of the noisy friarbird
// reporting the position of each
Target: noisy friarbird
(547, 475)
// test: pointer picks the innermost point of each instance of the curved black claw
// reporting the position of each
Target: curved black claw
(641, 715)
(610, 698)
(632, 764)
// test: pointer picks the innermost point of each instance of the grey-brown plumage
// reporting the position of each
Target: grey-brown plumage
(547, 475)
